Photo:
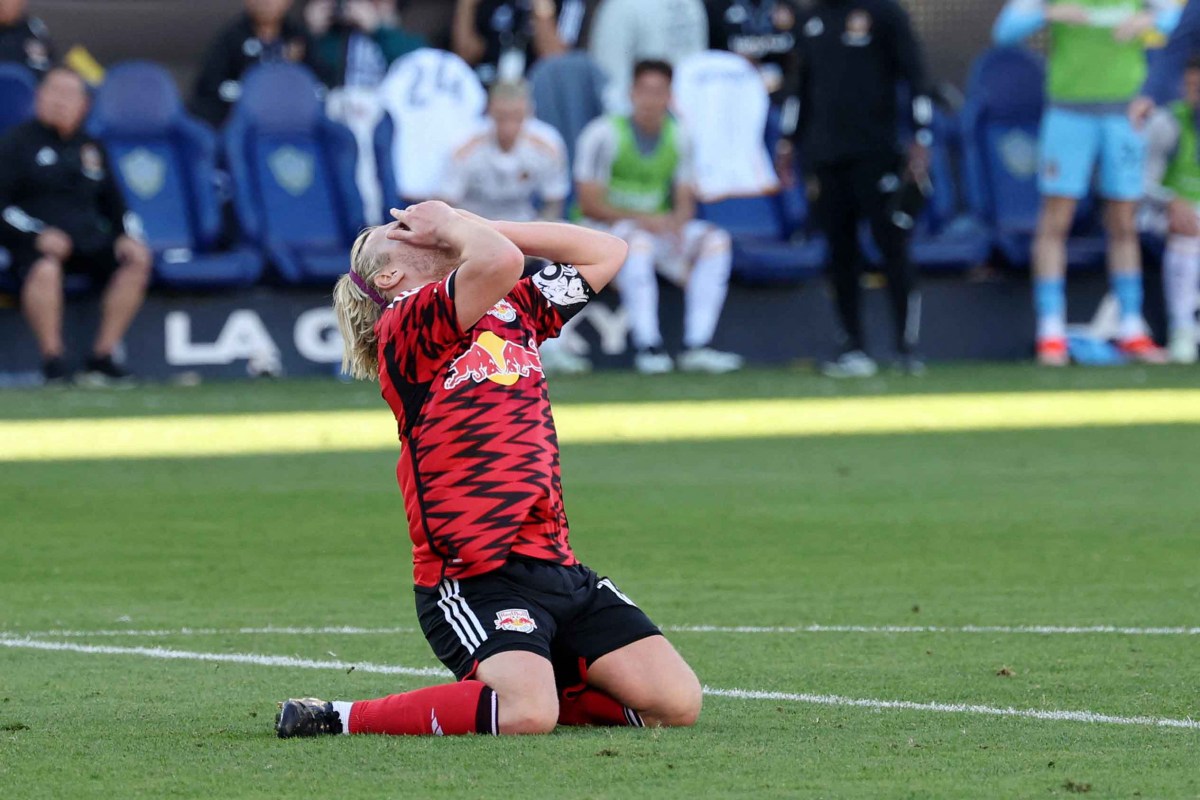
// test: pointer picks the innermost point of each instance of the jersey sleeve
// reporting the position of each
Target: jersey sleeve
(594, 153)
(418, 330)
(551, 297)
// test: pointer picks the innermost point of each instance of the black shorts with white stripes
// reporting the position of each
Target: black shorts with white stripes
(570, 615)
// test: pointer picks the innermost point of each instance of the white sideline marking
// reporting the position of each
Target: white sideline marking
(350, 630)
(738, 694)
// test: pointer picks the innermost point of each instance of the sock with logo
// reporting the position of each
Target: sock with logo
(1127, 286)
(452, 709)
(1050, 305)
(1181, 273)
(584, 705)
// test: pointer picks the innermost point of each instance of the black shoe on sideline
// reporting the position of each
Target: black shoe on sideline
(103, 371)
(307, 716)
(55, 371)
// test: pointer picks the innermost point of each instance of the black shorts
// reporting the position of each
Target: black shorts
(99, 265)
(570, 615)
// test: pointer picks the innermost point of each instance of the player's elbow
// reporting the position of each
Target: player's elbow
(507, 263)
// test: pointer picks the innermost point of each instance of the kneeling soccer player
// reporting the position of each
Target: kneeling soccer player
(435, 306)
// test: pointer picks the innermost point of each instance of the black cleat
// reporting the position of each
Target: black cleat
(307, 716)
(102, 371)
(55, 371)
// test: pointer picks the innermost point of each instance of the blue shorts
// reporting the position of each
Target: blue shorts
(1072, 142)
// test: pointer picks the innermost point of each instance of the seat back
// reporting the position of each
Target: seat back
(759, 217)
(164, 162)
(293, 170)
(568, 93)
(1001, 118)
(17, 88)
(434, 99)
(722, 102)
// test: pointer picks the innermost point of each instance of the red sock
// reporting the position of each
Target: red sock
(588, 706)
(448, 710)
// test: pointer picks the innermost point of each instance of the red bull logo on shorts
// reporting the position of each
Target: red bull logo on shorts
(515, 619)
(491, 358)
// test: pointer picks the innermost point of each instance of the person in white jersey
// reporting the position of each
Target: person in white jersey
(514, 168)
(634, 177)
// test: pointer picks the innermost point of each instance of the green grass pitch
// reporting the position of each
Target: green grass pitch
(138, 598)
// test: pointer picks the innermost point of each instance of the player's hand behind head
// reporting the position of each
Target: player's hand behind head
(425, 225)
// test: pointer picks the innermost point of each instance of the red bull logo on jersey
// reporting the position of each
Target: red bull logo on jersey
(491, 358)
(515, 619)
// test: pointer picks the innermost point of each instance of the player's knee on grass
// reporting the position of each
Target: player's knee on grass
(527, 713)
(678, 707)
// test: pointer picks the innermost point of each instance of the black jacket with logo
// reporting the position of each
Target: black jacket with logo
(27, 42)
(853, 56)
(47, 181)
(235, 49)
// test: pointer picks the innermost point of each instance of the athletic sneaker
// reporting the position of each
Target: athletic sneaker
(706, 359)
(1183, 347)
(307, 716)
(103, 371)
(559, 361)
(911, 364)
(1053, 352)
(653, 361)
(851, 364)
(55, 372)
(1142, 348)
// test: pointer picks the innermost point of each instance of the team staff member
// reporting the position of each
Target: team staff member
(61, 211)
(763, 31)
(24, 39)
(436, 308)
(264, 33)
(854, 54)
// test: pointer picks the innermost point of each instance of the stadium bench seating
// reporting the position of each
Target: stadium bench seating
(165, 163)
(1000, 136)
(17, 87)
(762, 255)
(294, 175)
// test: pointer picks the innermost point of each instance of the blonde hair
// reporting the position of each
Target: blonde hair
(357, 313)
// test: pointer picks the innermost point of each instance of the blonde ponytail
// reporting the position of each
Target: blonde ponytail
(357, 313)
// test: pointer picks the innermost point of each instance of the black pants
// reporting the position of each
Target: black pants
(862, 189)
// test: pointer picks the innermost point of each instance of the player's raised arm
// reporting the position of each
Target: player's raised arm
(489, 264)
(597, 255)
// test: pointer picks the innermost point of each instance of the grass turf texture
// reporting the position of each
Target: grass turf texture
(1057, 527)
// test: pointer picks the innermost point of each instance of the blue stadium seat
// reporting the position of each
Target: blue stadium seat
(293, 174)
(1000, 135)
(165, 163)
(17, 87)
(568, 93)
(762, 255)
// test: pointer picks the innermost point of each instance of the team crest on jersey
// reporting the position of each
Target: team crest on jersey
(491, 358)
(503, 311)
(515, 619)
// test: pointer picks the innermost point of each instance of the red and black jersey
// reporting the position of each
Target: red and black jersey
(479, 465)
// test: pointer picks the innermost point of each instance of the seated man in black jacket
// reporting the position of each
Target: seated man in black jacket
(62, 211)
(262, 34)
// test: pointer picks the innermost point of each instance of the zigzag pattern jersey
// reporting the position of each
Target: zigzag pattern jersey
(479, 464)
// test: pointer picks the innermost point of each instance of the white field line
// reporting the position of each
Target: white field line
(350, 630)
(738, 694)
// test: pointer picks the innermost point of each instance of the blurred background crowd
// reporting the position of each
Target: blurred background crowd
(205, 146)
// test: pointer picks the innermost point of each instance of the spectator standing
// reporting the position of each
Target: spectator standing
(1095, 68)
(626, 32)
(61, 211)
(263, 33)
(854, 55)
(24, 39)
(1173, 172)
(634, 178)
(357, 40)
(502, 39)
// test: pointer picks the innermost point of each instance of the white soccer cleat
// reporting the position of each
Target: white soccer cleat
(851, 364)
(706, 359)
(1182, 347)
(653, 362)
